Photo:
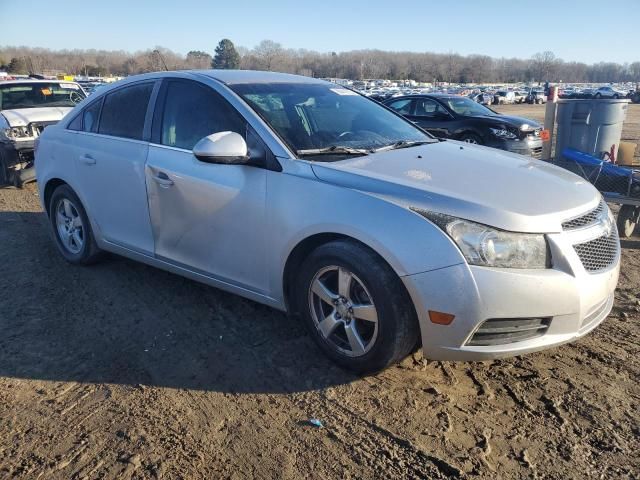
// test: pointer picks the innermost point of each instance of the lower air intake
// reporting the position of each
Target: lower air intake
(501, 331)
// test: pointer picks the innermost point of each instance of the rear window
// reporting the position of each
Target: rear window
(124, 111)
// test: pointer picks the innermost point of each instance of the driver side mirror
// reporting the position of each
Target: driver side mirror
(222, 147)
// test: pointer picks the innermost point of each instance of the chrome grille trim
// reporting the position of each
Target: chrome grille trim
(586, 219)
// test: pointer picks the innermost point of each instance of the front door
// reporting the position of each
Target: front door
(207, 217)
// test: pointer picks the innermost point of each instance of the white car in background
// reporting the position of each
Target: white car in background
(609, 92)
(26, 108)
(313, 199)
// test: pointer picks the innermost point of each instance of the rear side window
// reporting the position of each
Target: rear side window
(403, 107)
(193, 111)
(124, 111)
(90, 117)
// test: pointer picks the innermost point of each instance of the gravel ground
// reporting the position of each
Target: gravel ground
(123, 371)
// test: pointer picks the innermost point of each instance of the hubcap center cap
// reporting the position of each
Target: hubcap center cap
(342, 308)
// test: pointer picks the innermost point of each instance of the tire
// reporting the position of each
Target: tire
(4, 173)
(389, 332)
(71, 228)
(627, 220)
(616, 96)
(597, 95)
(471, 138)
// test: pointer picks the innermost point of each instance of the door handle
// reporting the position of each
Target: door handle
(87, 159)
(163, 179)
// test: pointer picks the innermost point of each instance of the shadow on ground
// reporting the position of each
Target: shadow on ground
(123, 322)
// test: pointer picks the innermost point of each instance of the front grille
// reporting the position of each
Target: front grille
(599, 254)
(536, 152)
(501, 331)
(588, 218)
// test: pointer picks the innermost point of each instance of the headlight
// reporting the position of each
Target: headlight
(503, 133)
(17, 133)
(490, 247)
(524, 127)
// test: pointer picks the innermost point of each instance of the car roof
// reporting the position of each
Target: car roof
(234, 77)
(437, 96)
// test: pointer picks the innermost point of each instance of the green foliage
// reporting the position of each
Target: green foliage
(226, 57)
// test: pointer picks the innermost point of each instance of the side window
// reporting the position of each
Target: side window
(192, 111)
(124, 110)
(90, 117)
(428, 108)
(76, 123)
(403, 107)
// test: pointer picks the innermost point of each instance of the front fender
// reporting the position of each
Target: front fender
(407, 241)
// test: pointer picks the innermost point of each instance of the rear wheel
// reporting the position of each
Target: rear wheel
(71, 227)
(355, 307)
(598, 95)
(628, 217)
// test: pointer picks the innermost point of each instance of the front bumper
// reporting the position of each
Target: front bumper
(531, 147)
(18, 161)
(570, 299)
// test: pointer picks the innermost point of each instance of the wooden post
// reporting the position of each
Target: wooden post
(549, 121)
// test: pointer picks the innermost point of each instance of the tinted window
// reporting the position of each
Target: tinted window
(402, 106)
(428, 108)
(193, 111)
(90, 117)
(124, 111)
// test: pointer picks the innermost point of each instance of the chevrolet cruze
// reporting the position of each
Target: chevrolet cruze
(313, 199)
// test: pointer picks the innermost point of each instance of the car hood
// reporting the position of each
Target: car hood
(22, 117)
(489, 186)
(511, 120)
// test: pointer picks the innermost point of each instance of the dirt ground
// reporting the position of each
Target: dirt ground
(120, 370)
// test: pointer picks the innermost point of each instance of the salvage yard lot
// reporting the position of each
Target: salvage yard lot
(124, 371)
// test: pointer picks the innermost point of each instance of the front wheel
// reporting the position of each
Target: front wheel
(355, 307)
(628, 217)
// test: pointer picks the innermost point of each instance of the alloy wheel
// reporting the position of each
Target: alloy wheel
(69, 226)
(343, 311)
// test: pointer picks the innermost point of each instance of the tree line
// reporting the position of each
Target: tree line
(355, 64)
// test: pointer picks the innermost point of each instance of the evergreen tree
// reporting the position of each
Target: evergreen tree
(226, 56)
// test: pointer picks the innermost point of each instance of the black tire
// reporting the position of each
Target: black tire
(470, 137)
(397, 326)
(89, 252)
(627, 220)
(4, 172)
(597, 96)
(616, 96)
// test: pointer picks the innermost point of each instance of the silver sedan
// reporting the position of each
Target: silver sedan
(313, 199)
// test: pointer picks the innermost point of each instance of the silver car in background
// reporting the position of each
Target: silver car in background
(315, 200)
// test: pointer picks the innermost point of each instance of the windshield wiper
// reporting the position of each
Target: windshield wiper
(402, 144)
(334, 150)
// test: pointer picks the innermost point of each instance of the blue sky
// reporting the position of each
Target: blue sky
(578, 30)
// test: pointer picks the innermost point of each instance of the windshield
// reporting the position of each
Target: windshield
(39, 94)
(467, 107)
(314, 119)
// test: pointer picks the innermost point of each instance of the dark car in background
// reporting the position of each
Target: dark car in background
(461, 118)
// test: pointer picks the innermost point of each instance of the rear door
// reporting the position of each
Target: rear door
(111, 151)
